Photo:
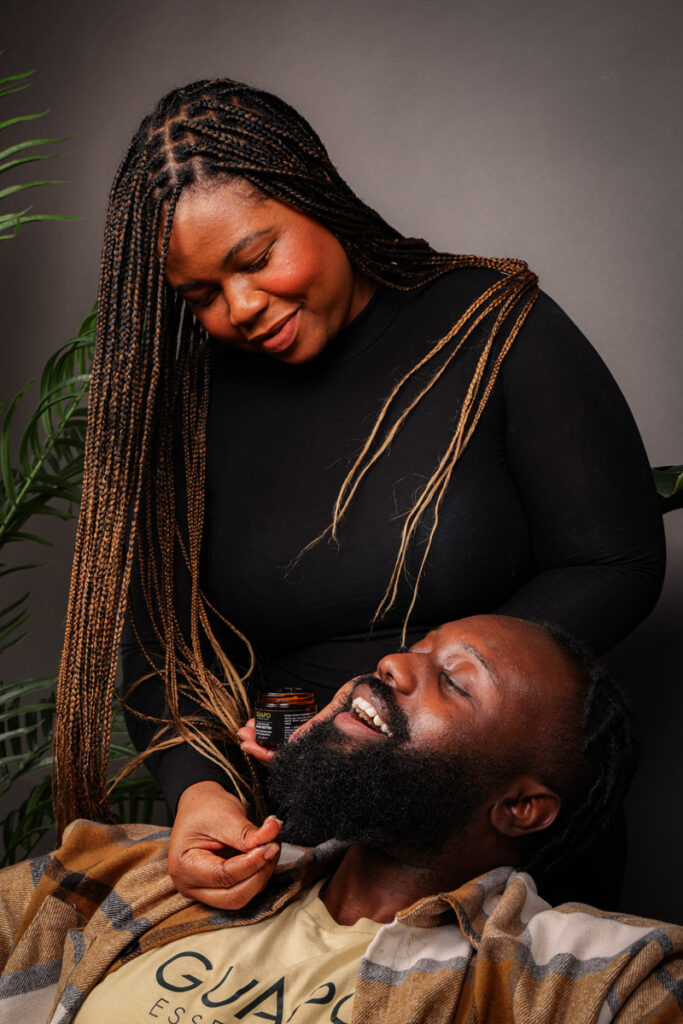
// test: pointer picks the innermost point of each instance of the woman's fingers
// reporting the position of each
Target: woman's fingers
(259, 753)
(216, 854)
(238, 894)
(208, 870)
(248, 730)
(249, 744)
(266, 833)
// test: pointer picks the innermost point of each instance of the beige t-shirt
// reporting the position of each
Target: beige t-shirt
(298, 964)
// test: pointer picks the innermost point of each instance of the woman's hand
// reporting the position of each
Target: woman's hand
(216, 854)
(250, 745)
(247, 734)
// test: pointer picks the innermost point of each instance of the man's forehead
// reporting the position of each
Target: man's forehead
(514, 652)
(475, 634)
(505, 647)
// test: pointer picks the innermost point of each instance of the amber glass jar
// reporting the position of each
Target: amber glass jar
(279, 712)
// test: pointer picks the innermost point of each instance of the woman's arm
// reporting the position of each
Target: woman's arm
(216, 854)
(579, 465)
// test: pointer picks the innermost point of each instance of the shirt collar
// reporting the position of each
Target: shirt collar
(471, 903)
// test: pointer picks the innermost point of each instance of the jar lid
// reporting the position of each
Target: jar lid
(283, 692)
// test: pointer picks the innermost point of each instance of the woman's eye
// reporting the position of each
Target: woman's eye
(198, 303)
(258, 264)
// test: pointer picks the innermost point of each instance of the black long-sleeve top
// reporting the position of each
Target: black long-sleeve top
(551, 512)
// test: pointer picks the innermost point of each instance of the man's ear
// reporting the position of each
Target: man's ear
(525, 805)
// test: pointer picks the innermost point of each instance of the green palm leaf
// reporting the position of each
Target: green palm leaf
(26, 728)
(19, 147)
(669, 484)
(12, 616)
(47, 477)
(26, 825)
(11, 223)
(6, 86)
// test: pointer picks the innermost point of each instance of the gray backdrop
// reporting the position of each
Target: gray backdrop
(547, 130)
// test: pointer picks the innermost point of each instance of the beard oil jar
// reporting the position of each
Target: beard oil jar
(279, 712)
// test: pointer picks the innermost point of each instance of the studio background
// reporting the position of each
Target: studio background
(548, 130)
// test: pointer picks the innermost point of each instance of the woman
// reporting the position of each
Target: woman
(275, 363)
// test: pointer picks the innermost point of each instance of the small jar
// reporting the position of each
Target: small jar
(279, 712)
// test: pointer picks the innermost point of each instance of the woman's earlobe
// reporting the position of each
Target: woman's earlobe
(525, 806)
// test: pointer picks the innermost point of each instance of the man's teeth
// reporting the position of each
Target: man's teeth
(368, 713)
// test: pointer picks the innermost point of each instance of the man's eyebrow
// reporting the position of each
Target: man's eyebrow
(235, 250)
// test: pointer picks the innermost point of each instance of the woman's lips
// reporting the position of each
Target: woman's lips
(284, 337)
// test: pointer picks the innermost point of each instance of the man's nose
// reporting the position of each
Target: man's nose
(399, 670)
(244, 303)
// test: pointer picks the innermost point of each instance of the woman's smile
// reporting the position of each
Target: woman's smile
(281, 337)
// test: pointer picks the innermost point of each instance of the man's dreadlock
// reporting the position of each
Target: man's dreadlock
(592, 765)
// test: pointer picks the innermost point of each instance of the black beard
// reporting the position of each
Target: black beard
(377, 794)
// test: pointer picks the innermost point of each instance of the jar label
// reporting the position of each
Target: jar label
(274, 727)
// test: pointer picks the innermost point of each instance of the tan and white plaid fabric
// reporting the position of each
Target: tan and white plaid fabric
(491, 951)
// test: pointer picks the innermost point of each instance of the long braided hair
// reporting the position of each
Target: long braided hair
(150, 378)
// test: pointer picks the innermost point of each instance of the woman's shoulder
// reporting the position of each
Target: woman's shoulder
(550, 337)
(549, 341)
(552, 355)
(431, 310)
(468, 283)
(460, 285)
(454, 292)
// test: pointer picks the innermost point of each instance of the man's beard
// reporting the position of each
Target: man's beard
(378, 793)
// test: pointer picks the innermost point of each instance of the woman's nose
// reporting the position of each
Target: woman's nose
(244, 304)
(399, 670)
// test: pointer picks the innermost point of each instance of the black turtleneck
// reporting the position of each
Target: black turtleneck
(551, 512)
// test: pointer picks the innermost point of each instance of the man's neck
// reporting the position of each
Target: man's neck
(378, 883)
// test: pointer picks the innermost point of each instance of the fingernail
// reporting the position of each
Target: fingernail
(273, 817)
(271, 851)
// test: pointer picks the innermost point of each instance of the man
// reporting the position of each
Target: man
(486, 745)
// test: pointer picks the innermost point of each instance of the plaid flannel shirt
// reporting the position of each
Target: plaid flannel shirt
(490, 951)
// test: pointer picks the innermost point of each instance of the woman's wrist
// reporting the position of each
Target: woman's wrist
(207, 789)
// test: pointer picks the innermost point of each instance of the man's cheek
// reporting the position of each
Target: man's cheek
(431, 730)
